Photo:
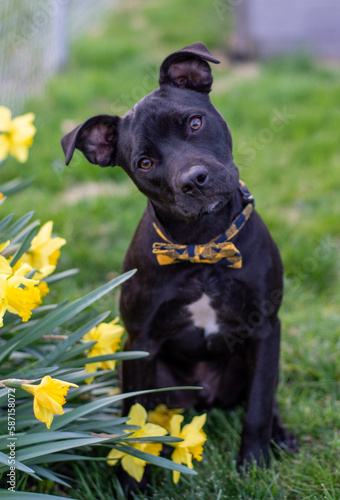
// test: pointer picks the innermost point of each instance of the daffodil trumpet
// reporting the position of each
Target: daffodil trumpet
(49, 398)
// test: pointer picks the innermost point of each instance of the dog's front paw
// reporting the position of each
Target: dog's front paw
(254, 454)
(285, 441)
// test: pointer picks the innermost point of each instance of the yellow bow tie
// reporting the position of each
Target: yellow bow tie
(220, 249)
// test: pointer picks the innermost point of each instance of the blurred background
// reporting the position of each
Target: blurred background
(278, 87)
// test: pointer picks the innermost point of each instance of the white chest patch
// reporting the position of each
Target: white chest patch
(203, 315)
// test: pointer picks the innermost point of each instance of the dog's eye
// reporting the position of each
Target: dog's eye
(145, 163)
(195, 123)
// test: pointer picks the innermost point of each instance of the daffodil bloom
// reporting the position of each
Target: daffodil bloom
(44, 251)
(107, 337)
(162, 415)
(16, 135)
(49, 398)
(192, 444)
(43, 288)
(132, 465)
(13, 297)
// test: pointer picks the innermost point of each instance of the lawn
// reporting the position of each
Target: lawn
(284, 118)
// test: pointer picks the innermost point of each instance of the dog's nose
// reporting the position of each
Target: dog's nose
(195, 178)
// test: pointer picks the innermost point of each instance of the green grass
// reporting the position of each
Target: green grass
(292, 168)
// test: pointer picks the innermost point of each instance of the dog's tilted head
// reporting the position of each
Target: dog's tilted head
(174, 144)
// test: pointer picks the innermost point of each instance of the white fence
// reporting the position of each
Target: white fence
(34, 41)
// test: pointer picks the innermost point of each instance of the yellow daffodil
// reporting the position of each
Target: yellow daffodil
(13, 297)
(44, 251)
(16, 135)
(107, 337)
(162, 415)
(192, 444)
(132, 465)
(48, 398)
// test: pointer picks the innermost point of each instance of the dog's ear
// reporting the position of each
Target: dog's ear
(96, 139)
(188, 68)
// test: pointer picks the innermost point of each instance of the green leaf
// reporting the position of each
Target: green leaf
(60, 457)
(14, 186)
(3, 396)
(50, 475)
(18, 465)
(159, 461)
(43, 449)
(75, 351)
(19, 224)
(24, 246)
(88, 408)
(108, 357)
(4, 223)
(59, 316)
(116, 425)
(19, 237)
(72, 339)
(18, 495)
(153, 439)
(80, 376)
(34, 373)
(24, 439)
(53, 278)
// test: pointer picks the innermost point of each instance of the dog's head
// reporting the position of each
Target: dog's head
(174, 144)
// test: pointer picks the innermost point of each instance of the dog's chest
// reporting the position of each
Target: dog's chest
(203, 315)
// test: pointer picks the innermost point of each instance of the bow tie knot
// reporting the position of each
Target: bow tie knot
(220, 249)
(171, 253)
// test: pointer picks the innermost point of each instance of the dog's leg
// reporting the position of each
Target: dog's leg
(282, 438)
(263, 362)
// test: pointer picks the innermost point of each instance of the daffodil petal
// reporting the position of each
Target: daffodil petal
(4, 146)
(175, 425)
(199, 421)
(3, 307)
(134, 468)
(175, 476)
(152, 448)
(42, 413)
(191, 436)
(5, 119)
(114, 456)
(48, 402)
(19, 151)
(153, 430)
(4, 245)
(179, 456)
(137, 415)
(46, 381)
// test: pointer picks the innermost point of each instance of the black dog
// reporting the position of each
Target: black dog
(204, 301)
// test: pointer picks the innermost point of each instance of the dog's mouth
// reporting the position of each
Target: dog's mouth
(216, 204)
(198, 207)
